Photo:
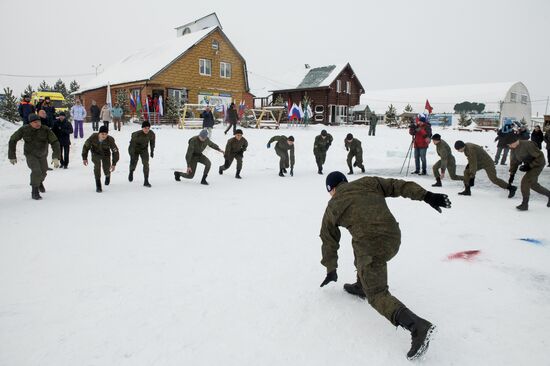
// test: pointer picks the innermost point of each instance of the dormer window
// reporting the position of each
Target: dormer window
(215, 45)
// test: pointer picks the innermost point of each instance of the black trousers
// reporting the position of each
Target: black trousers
(65, 155)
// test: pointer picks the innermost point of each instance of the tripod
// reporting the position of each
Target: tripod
(409, 156)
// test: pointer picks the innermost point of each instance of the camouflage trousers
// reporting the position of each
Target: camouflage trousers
(99, 163)
(320, 157)
(530, 181)
(358, 160)
(451, 168)
(229, 160)
(284, 160)
(491, 174)
(372, 272)
(38, 167)
(193, 165)
(144, 155)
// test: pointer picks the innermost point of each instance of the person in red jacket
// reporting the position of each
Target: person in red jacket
(421, 133)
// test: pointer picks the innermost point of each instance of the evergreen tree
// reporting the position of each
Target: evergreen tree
(408, 108)
(391, 115)
(60, 87)
(44, 86)
(122, 100)
(28, 91)
(172, 112)
(9, 106)
(70, 98)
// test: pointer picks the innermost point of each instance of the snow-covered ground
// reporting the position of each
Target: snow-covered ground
(229, 274)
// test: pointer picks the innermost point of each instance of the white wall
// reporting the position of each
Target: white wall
(516, 109)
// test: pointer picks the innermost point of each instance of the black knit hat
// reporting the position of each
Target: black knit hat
(324, 133)
(62, 114)
(290, 138)
(349, 136)
(238, 131)
(33, 117)
(459, 144)
(510, 138)
(436, 137)
(145, 124)
(104, 129)
(333, 179)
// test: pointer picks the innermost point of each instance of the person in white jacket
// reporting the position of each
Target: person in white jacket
(78, 113)
(105, 115)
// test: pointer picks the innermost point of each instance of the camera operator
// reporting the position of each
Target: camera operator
(421, 132)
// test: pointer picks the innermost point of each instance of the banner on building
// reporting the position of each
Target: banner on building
(215, 99)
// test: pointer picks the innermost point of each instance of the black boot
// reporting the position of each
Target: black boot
(238, 174)
(284, 170)
(437, 182)
(548, 204)
(177, 176)
(421, 331)
(362, 168)
(524, 205)
(131, 176)
(466, 191)
(107, 180)
(281, 173)
(41, 188)
(203, 180)
(35, 194)
(319, 169)
(350, 172)
(415, 172)
(98, 186)
(355, 289)
(220, 170)
(423, 172)
(512, 190)
(146, 180)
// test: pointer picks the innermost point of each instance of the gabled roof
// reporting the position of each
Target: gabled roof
(147, 63)
(321, 77)
(198, 20)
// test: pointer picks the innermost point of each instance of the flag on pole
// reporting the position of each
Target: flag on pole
(138, 105)
(147, 106)
(161, 109)
(108, 101)
(428, 107)
(294, 113)
(289, 109)
(242, 107)
(300, 110)
(132, 102)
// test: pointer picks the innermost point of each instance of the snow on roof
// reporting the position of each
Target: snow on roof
(441, 98)
(298, 78)
(146, 63)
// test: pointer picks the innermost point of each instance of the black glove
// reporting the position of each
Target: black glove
(292, 171)
(524, 168)
(511, 179)
(437, 200)
(472, 181)
(331, 276)
(152, 154)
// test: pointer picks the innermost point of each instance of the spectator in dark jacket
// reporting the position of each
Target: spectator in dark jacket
(207, 120)
(537, 136)
(502, 148)
(48, 107)
(63, 130)
(95, 112)
(547, 140)
(26, 108)
(523, 133)
(232, 118)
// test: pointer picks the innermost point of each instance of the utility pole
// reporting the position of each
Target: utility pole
(96, 67)
(546, 109)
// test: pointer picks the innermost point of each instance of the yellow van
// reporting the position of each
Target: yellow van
(57, 100)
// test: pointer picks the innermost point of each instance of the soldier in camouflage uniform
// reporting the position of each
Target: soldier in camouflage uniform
(320, 148)
(195, 155)
(478, 159)
(360, 207)
(139, 144)
(101, 145)
(353, 145)
(282, 148)
(235, 148)
(446, 161)
(532, 159)
(36, 137)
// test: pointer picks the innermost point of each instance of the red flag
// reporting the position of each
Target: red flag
(428, 107)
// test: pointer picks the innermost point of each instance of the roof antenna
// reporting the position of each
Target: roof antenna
(307, 66)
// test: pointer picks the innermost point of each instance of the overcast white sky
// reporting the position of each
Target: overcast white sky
(390, 44)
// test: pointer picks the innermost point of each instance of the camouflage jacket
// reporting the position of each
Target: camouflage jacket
(140, 141)
(528, 153)
(100, 149)
(36, 142)
(321, 144)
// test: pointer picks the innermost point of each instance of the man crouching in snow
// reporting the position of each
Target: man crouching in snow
(360, 207)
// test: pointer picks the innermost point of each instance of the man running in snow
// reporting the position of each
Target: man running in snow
(282, 148)
(360, 206)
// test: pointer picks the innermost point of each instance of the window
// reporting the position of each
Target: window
(205, 67)
(225, 70)
(524, 99)
(178, 95)
(513, 97)
(319, 108)
(338, 86)
(348, 87)
(215, 45)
